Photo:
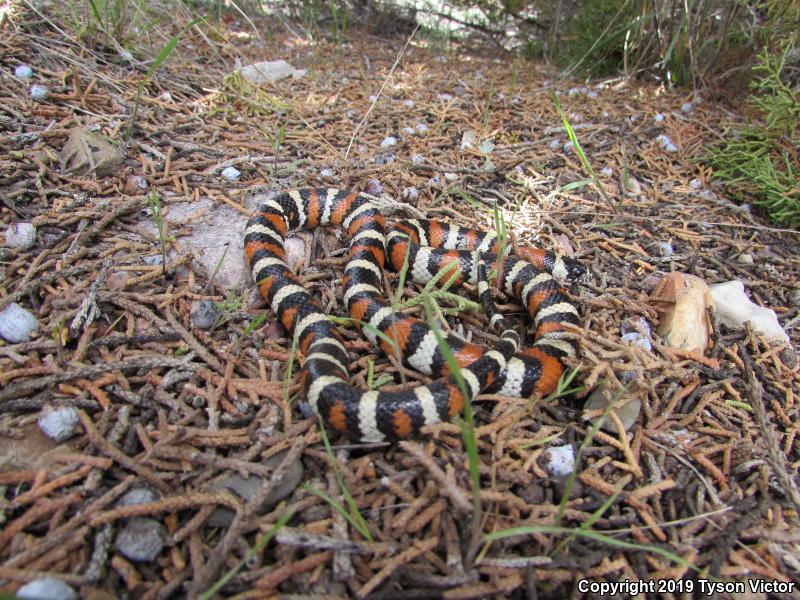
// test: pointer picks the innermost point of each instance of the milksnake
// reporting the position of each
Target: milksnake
(374, 416)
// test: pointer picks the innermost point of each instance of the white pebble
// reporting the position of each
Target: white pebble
(573, 92)
(451, 177)
(153, 261)
(327, 173)
(389, 142)
(417, 159)
(47, 588)
(410, 193)
(696, 183)
(634, 338)
(21, 235)
(664, 249)
(39, 92)
(23, 72)
(231, 173)
(373, 98)
(560, 460)
(687, 107)
(592, 95)
(709, 195)
(658, 118)
(58, 423)
(555, 144)
(607, 171)
(408, 104)
(569, 147)
(165, 97)
(421, 128)
(17, 324)
(445, 97)
(671, 147)
(664, 140)
(408, 131)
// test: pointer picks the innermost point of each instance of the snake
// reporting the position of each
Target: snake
(422, 248)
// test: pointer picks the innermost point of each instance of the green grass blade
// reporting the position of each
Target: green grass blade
(169, 47)
(590, 534)
(355, 517)
(259, 546)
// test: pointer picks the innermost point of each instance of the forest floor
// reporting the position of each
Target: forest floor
(161, 421)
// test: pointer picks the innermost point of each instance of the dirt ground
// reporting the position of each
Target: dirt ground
(188, 459)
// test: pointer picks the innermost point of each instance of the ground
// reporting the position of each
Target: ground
(694, 484)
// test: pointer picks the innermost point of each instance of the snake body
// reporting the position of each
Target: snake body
(373, 416)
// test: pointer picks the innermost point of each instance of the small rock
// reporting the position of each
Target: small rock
(231, 173)
(445, 97)
(327, 174)
(21, 235)
(135, 185)
(410, 194)
(745, 259)
(451, 177)
(468, 139)
(389, 142)
(630, 186)
(634, 338)
(248, 488)
(204, 314)
(165, 97)
(607, 172)
(117, 280)
(560, 460)
(271, 71)
(408, 131)
(696, 183)
(139, 495)
(666, 143)
(555, 145)
(408, 103)
(628, 412)
(683, 300)
(142, 539)
(47, 588)
(636, 324)
(687, 107)
(734, 309)
(421, 128)
(569, 147)
(153, 260)
(658, 118)
(592, 95)
(373, 187)
(663, 249)
(23, 72)
(38, 92)
(17, 324)
(709, 195)
(58, 423)
(794, 297)
(573, 91)
(385, 159)
(417, 159)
